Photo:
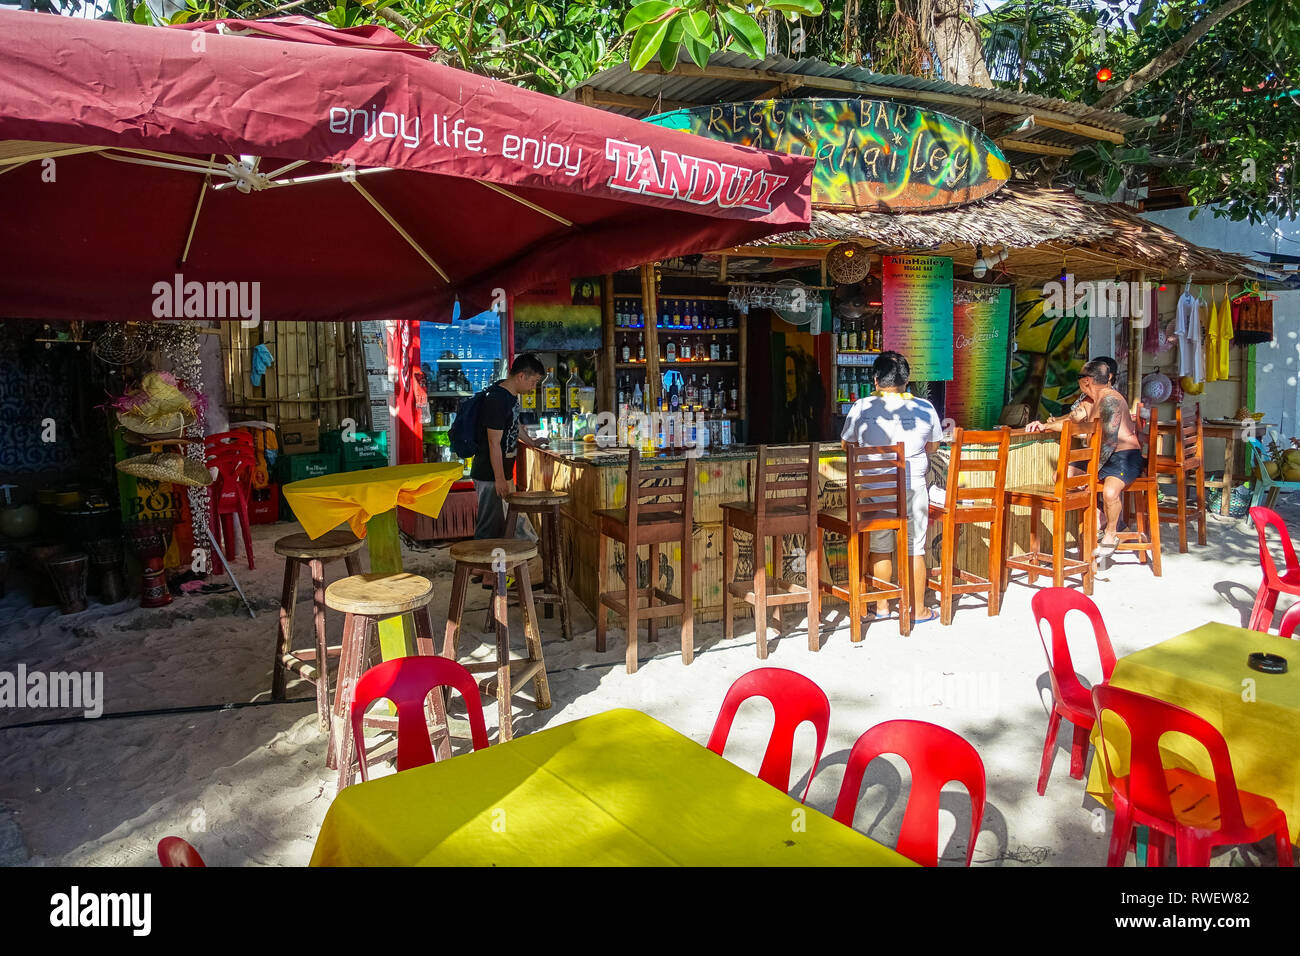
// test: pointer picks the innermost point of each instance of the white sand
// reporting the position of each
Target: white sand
(249, 785)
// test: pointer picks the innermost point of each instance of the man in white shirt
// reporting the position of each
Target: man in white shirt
(890, 416)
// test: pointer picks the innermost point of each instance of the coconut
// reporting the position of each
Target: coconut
(1291, 473)
(1291, 457)
(1271, 467)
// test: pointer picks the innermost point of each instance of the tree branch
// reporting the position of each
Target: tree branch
(1169, 58)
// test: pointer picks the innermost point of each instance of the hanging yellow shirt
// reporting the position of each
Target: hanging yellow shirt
(1212, 344)
(1224, 352)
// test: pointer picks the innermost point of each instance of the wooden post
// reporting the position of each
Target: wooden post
(742, 400)
(650, 302)
(607, 376)
(1135, 336)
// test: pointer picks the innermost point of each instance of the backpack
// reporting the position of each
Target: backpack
(463, 434)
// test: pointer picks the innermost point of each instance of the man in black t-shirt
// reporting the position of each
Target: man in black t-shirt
(498, 435)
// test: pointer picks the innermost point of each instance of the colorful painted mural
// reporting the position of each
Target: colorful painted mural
(871, 154)
(1049, 353)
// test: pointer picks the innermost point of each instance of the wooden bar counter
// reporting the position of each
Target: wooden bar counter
(596, 478)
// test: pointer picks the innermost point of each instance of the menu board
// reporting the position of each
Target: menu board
(560, 318)
(380, 388)
(981, 328)
(918, 314)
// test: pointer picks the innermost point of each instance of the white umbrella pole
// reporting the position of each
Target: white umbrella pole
(225, 564)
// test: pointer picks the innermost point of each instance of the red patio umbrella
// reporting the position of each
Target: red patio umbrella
(340, 170)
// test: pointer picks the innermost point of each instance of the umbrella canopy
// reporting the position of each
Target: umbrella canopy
(296, 172)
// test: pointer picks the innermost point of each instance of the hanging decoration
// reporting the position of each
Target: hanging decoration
(179, 342)
(768, 295)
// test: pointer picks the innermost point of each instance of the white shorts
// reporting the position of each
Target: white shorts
(918, 519)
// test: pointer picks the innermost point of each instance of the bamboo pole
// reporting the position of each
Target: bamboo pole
(1135, 335)
(650, 301)
(607, 374)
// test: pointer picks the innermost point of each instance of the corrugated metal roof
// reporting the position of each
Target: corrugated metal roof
(975, 105)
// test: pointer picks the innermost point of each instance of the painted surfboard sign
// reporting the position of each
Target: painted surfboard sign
(872, 155)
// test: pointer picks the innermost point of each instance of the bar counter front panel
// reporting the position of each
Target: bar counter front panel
(596, 478)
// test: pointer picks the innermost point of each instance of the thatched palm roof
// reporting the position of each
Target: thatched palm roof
(1045, 229)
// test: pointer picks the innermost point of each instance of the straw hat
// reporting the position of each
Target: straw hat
(167, 466)
(162, 409)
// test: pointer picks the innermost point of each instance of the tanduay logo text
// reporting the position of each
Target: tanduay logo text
(689, 178)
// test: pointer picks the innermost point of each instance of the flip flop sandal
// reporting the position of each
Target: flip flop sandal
(1106, 550)
(934, 616)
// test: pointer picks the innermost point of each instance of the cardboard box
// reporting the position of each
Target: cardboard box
(299, 438)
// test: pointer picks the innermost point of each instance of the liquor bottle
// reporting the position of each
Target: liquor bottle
(728, 351)
(695, 315)
(627, 349)
(731, 319)
(692, 394)
(640, 318)
(715, 352)
(844, 335)
(706, 396)
(572, 389)
(670, 351)
(618, 313)
(640, 350)
(551, 396)
(677, 313)
(684, 350)
(734, 403)
(528, 401)
(853, 336)
(638, 403)
(664, 315)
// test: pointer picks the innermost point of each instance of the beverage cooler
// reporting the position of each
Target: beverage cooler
(458, 359)
(858, 332)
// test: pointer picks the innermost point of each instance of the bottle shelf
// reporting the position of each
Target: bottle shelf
(702, 364)
(451, 394)
(688, 331)
(458, 361)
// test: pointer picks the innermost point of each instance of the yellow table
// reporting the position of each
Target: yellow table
(1258, 714)
(367, 501)
(616, 789)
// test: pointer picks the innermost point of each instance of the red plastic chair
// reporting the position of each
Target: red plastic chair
(407, 682)
(795, 699)
(1261, 618)
(935, 756)
(1197, 812)
(173, 851)
(233, 455)
(1290, 620)
(1070, 699)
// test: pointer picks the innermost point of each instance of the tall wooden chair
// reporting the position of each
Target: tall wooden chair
(783, 482)
(970, 505)
(1143, 535)
(658, 510)
(875, 500)
(1186, 462)
(1080, 446)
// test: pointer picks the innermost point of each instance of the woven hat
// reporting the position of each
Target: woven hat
(158, 408)
(167, 466)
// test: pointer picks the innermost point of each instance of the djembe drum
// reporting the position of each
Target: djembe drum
(69, 576)
(106, 563)
(149, 541)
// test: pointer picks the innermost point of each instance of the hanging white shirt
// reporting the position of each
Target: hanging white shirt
(1187, 330)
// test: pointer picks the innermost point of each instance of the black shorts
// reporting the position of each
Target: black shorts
(1127, 465)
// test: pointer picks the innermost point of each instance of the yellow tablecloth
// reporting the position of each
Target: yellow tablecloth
(616, 789)
(322, 504)
(1258, 714)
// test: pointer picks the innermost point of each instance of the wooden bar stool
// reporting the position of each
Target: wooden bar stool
(1145, 537)
(1079, 446)
(784, 487)
(311, 664)
(500, 556)
(365, 600)
(875, 500)
(965, 506)
(1186, 462)
(658, 513)
(555, 579)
